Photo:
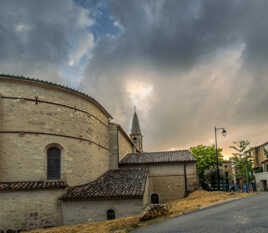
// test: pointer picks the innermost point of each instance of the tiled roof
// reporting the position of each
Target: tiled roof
(31, 185)
(58, 86)
(158, 157)
(114, 184)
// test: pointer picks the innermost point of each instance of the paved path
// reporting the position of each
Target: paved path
(248, 215)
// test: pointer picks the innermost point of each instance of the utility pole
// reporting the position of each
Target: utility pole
(224, 132)
(247, 175)
(218, 173)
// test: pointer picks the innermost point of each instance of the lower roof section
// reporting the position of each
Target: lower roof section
(31, 185)
(125, 183)
(158, 157)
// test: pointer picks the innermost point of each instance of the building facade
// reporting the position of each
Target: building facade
(54, 139)
(260, 165)
(227, 170)
(172, 173)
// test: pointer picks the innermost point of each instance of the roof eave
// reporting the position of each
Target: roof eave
(163, 162)
(101, 198)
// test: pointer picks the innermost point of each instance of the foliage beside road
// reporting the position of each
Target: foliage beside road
(243, 161)
(196, 200)
(206, 163)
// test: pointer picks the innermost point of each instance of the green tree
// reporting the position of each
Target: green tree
(242, 161)
(240, 148)
(206, 161)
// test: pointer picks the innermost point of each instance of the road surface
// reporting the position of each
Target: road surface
(248, 215)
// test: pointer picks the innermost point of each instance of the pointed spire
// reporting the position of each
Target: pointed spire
(135, 130)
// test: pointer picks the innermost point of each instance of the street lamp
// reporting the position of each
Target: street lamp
(224, 133)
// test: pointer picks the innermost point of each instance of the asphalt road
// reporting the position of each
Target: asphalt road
(248, 215)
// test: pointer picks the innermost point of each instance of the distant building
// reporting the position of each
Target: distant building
(228, 172)
(62, 160)
(260, 165)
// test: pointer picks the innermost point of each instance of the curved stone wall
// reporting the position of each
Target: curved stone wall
(34, 115)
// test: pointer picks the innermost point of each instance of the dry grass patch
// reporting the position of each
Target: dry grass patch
(121, 225)
(194, 201)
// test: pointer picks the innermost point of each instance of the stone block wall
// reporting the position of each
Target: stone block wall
(1, 121)
(32, 89)
(125, 146)
(169, 187)
(147, 192)
(23, 210)
(192, 177)
(76, 212)
(167, 179)
(72, 122)
(114, 156)
(24, 158)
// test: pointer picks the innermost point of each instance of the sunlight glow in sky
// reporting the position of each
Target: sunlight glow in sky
(140, 93)
(187, 65)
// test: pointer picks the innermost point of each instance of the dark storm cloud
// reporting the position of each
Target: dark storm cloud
(179, 34)
(35, 36)
(172, 39)
(201, 63)
(171, 33)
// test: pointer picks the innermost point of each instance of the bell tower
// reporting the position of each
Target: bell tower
(135, 134)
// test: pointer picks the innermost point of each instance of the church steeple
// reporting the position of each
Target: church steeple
(136, 135)
(135, 125)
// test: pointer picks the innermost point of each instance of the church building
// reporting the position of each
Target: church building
(64, 161)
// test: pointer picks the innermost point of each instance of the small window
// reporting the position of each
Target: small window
(154, 198)
(53, 163)
(110, 214)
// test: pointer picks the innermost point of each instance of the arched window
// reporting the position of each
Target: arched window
(53, 163)
(154, 198)
(110, 214)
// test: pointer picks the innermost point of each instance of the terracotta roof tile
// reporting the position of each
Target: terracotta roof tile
(158, 157)
(114, 184)
(31, 185)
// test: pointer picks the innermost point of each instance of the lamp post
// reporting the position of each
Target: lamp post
(224, 132)
(247, 176)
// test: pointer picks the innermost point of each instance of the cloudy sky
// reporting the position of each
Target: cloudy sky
(186, 65)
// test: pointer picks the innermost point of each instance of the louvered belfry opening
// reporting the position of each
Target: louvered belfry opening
(53, 163)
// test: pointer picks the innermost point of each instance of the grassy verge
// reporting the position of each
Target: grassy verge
(196, 200)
